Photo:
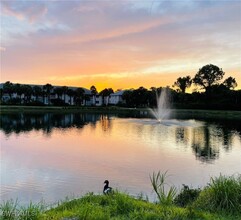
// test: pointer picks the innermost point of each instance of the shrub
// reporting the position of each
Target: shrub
(187, 196)
(222, 194)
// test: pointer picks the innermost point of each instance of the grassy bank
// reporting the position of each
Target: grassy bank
(63, 109)
(142, 112)
(116, 206)
(209, 114)
(219, 200)
(122, 206)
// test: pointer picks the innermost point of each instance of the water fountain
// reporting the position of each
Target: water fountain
(163, 110)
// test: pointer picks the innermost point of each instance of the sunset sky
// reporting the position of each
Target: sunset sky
(118, 44)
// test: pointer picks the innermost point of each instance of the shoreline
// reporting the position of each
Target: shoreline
(140, 112)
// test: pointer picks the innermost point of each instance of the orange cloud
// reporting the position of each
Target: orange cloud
(117, 45)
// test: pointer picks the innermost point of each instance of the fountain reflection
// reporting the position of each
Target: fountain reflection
(52, 155)
(205, 139)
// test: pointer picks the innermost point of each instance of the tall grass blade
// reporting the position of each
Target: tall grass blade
(158, 181)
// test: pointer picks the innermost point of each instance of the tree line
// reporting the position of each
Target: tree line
(24, 94)
(210, 93)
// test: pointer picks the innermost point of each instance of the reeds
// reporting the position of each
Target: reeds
(222, 194)
(158, 181)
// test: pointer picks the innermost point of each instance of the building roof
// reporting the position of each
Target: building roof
(87, 91)
(119, 93)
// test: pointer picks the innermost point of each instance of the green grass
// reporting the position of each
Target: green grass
(194, 113)
(222, 194)
(117, 206)
(220, 200)
(10, 210)
(123, 206)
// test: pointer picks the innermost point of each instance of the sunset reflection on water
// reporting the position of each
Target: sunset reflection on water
(72, 159)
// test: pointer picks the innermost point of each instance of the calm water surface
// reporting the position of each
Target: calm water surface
(51, 156)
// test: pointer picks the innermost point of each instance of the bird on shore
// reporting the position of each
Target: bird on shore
(107, 189)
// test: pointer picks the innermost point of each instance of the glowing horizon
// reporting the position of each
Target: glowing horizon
(117, 45)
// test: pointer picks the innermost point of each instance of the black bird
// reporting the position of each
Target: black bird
(107, 189)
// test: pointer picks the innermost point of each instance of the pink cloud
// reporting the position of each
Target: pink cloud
(87, 38)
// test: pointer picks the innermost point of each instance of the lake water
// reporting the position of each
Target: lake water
(50, 156)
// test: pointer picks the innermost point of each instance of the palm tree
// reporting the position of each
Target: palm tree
(79, 95)
(27, 91)
(64, 89)
(86, 98)
(1, 94)
(93, 92)
(37, 91)
(106, 93)
(59, 91)
(47, 89)
(70, 93)
(18, 89)
(8, 88)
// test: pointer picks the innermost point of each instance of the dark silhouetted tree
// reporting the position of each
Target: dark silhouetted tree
(230, 83)
(37, 91)
(70, 93)
(79, 95)
(47, 90)
(208, 76)
(8, 88)
(64, 89)
(183, 83)
(1, 94)
(27, 91)
(106, 93)
(18, 89)
(59, 91)
(93, 92)
(128, 98)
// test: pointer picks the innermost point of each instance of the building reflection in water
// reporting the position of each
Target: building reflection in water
(51, 155)
(105, 123)
(205, 141)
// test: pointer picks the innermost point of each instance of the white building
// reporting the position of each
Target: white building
(116, 98)
(88, 100)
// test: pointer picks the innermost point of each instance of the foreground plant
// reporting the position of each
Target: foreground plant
(121, 206)
(158, 181)
(186, 196)
(10, 210)
(222, 194)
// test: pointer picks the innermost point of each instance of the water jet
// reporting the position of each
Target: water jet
(162, 111)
